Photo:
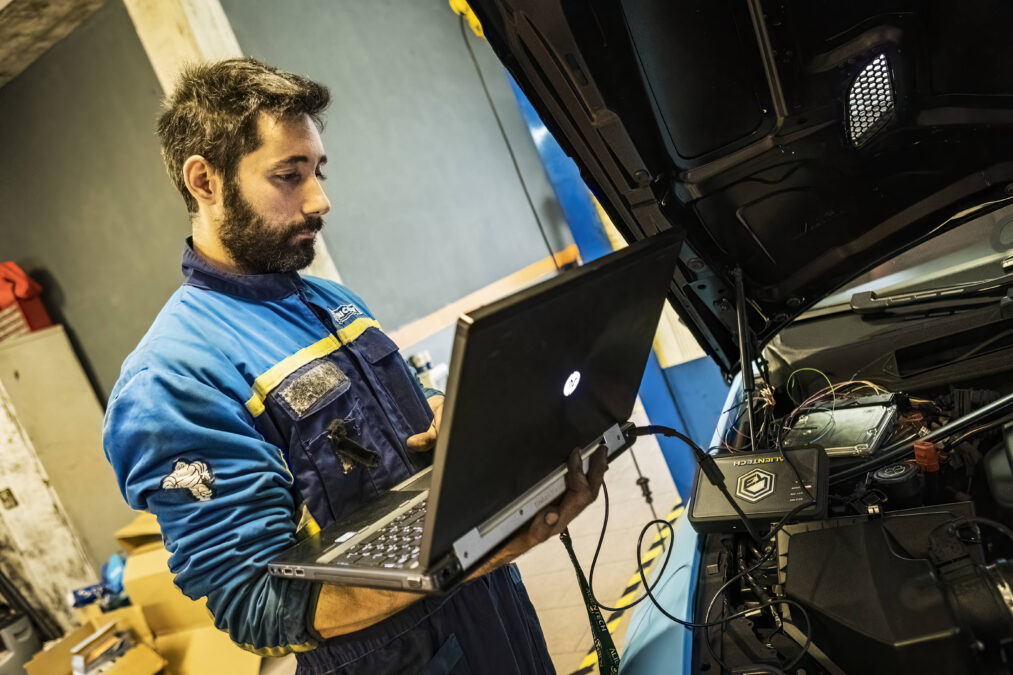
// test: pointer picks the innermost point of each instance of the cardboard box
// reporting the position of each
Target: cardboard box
(142, 533)
(56, 660)
(141, 660)
(205, 650)
(149, 585)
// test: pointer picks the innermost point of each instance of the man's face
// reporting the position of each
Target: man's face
(273, 209)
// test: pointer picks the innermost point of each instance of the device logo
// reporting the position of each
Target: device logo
(571, 383)
(755, 485)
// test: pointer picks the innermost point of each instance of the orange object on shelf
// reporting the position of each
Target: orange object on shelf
(927, 456)
(21, 308)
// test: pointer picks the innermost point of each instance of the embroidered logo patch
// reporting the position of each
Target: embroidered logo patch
(193, 476)
(345, 313)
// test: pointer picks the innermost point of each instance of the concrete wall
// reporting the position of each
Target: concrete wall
(89, 212)
(426, 206)
(87, 207)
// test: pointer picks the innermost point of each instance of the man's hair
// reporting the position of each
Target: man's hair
(214, 108)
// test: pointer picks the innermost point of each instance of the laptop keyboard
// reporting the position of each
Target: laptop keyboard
(394, 546)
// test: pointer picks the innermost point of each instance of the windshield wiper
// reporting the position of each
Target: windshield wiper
(867, 302)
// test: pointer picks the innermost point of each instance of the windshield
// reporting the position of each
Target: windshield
(972, 251)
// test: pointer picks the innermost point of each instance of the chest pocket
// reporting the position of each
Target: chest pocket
(395, 381)
(321, 415)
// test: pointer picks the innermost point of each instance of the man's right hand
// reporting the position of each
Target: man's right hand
(581, 490)
(344, 609)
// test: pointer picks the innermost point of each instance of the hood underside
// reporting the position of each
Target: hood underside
(801, 141)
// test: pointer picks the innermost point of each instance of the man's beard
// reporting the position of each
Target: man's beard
(255, 246)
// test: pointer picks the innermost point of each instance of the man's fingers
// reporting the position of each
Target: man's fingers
(596, 472)
(581, 490)
(575, 479)
(424, 441)
(543, 524)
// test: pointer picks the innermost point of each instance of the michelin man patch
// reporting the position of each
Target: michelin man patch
(193, 476)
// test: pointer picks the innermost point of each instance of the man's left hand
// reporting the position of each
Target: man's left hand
(426, 441)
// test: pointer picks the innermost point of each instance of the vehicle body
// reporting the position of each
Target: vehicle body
(852, 164)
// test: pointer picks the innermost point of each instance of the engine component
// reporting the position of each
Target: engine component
(903, 591)
(764, 486)
(901, 483)
(926, 456)
(999, 469)
(856, 431)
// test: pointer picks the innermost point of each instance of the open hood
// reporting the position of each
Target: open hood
(800, 141)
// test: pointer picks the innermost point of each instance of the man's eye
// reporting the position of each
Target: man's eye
(321, 176)
(289, 177)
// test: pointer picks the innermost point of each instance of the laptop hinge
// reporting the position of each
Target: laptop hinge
(478, 541)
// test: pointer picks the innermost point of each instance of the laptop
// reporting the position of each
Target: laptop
(554, 367)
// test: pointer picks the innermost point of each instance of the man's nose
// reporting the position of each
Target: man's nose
(316, 203)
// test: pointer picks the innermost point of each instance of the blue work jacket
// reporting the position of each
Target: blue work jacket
(227, 423)
(220, 425)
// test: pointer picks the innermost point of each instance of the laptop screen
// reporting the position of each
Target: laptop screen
(538, 374)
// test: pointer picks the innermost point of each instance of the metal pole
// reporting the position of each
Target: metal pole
(745, 356)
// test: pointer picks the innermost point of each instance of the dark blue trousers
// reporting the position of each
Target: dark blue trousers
(486, 627)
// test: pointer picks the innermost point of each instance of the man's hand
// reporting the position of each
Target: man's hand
(427, 440)
(345, 609)
(581, 490)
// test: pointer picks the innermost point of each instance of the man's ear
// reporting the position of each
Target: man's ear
(201, 180)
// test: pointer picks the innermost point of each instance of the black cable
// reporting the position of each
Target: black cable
(597, 551)
(707, 466)
(649, 588)
(509, 147)
(713, 473)
(645, 488)
(957, 522)
(750, 570)
(953, 442)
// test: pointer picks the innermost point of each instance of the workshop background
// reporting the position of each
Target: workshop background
(446, 194)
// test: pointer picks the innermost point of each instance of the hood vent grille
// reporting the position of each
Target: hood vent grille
(870, 101)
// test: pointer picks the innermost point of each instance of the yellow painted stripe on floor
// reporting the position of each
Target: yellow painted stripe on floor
(651, 555)
(611, 625)
(589, 660)
(277, 373)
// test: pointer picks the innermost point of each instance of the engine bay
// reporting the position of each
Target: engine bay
(890, 556)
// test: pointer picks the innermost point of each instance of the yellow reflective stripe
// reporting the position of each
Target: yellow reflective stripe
(311, 528)
(356, 328)
(264, 384)
(307, 525)
(279, 651)
(276, 374)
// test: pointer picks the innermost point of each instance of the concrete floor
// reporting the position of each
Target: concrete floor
(550, 578)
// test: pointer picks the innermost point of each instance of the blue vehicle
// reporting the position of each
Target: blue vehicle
(841, 176)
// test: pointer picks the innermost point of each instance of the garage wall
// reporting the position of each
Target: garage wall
(89, 212)
(426, 205)
(87, 207)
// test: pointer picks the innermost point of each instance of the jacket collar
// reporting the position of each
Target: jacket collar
(200, 273)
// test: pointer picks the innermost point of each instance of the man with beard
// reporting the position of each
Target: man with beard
(228, 420)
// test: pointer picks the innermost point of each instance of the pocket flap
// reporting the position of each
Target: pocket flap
(375, 345)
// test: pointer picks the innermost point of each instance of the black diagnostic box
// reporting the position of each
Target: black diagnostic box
(764, 486)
